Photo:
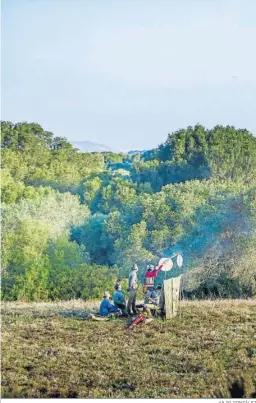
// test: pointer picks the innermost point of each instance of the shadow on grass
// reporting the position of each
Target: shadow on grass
(74, 314)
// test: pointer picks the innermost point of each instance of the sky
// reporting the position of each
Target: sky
(127, 72)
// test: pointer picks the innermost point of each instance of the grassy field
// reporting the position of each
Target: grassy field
(49, 350)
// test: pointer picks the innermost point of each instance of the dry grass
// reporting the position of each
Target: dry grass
(49, 350)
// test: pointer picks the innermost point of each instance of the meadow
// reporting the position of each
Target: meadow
(49, 350)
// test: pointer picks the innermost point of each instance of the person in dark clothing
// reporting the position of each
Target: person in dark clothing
(153, 295)
(154, 300)
(106, 307)
(133, 287)
(118, 297)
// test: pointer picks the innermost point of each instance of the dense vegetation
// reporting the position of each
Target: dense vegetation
(72, 222)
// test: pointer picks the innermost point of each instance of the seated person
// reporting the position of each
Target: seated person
(106, 307)
(118, 297)
(152, 298)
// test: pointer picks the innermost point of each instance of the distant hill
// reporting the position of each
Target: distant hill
(90, 147)
(134, 152)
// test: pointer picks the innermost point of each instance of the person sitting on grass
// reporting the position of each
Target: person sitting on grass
(119, 298)
(153, 299)
(106, 308)
(151, 296)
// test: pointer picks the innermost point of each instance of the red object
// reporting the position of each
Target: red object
(138, 320)
(154, 272)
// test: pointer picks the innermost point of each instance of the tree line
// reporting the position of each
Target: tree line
(73, 223)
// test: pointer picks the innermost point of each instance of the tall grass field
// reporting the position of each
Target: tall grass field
(50, 350)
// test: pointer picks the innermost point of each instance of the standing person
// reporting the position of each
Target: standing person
(133, 286)
(150, 276)
(149, 280)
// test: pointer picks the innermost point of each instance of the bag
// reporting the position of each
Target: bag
(140, 318)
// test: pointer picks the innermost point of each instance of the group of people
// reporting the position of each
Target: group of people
(119, 307)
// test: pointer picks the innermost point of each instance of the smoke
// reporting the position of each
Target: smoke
(215, 241)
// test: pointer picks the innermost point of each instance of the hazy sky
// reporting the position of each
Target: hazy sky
(127, 72)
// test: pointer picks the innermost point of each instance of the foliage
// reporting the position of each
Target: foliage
(198, 153)
(27, 228)
(36, 157)
(65, 212)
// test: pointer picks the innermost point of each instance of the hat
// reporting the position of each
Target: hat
(106, 294)
(151, 267)
(118, 286)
